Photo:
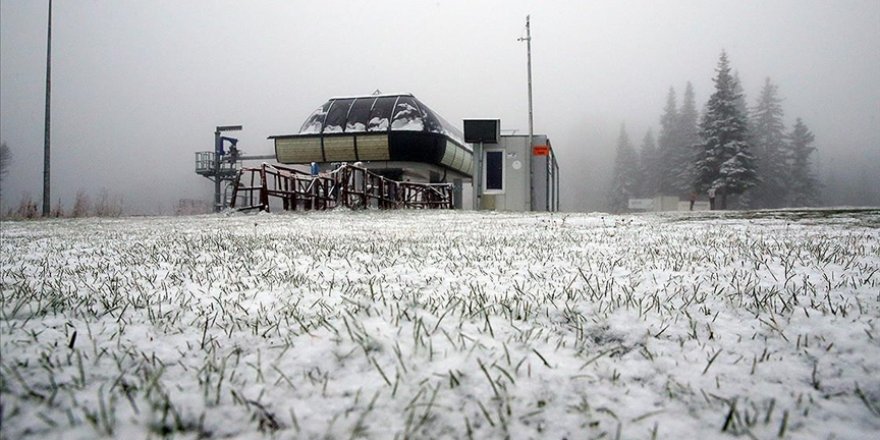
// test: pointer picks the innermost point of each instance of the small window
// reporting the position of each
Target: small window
(494, 171)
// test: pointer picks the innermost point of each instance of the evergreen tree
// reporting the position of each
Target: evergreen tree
(649, 177)
(767, 131)
(740, 96)
(745, 199)
(624, 180)
(803, 184)
(687, 138)
(666, 144)
(724, 161)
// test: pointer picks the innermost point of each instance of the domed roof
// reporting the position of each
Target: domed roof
(377, 128)
(377, 113)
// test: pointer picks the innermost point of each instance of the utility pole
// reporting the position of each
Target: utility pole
(529, 63)
(46, 143)
(528, 40)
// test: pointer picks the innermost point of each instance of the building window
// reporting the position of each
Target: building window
(494, 171)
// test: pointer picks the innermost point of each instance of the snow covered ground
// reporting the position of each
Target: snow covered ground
(443, 325)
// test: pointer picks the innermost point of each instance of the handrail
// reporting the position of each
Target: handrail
(350, 186)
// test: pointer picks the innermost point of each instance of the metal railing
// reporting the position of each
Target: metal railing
(349, 186)
(206, 163)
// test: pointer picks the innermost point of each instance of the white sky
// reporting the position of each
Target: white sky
(138, 86)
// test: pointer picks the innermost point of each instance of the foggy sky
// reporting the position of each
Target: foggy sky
(138, 86)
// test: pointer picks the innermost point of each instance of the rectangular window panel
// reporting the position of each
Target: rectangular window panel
(359, 115)
(380, 114)
(335, 122)
(298, 149)
(481, 130)
(494, 171)
(407, 115)
(373, 147)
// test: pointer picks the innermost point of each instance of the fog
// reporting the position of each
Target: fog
(138, 86)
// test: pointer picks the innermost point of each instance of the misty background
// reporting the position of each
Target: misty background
(138, 86)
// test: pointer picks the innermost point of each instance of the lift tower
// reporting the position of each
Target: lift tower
(223, 165)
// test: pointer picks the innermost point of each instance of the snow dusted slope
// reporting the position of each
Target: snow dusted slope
(442, 325)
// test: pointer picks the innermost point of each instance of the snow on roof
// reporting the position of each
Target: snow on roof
(402, 112)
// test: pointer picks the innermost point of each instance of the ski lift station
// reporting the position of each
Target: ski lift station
(390, 151)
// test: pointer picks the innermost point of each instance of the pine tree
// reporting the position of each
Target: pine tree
(649, 176)
(740, 96)
(803, 185)
(624, 180)
(767, 131)
(745, 199)
(724, 161)
(687, 138)
(666, 145)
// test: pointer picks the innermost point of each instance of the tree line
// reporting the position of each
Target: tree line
(744, 156)
(105, 205)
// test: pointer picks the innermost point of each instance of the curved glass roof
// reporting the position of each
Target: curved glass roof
(374, 113)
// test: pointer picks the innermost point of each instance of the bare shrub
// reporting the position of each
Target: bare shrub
(5, 160)
(57, 210)
(108, 205)
(192, 207)
(82, 205)
(27, 208)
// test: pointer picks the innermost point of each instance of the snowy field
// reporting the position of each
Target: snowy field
(443, 325)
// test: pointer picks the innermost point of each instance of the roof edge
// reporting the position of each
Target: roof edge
(383, 95)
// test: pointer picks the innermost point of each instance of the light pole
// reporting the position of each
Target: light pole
(46, 143)
(528, 40)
